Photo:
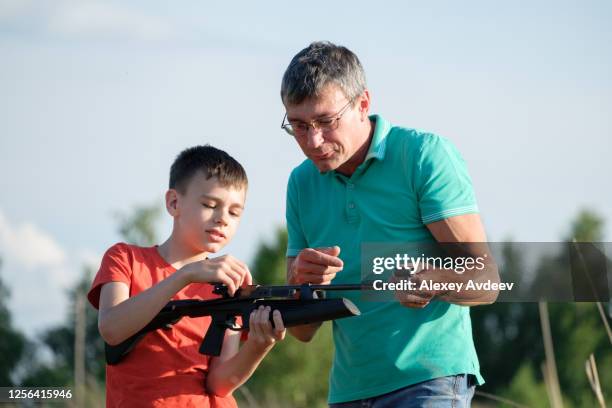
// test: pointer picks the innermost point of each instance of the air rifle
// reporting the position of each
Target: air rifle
(298, 304)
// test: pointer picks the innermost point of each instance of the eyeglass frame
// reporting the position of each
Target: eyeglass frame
(314, 123)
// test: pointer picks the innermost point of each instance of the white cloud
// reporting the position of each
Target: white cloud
(38, 272)
(97, 19)
(29, 246)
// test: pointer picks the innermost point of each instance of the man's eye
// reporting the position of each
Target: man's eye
(299, 125)
(207, 205)
(325, 121)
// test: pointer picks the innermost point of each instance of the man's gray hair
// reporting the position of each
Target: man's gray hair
(318, 65)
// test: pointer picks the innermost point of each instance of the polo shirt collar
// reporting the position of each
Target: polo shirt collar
(379, 138)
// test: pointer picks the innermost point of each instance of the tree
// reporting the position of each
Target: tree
(139, 225)
(60, 340)
(13, 344)
(506, 329)
(509, 341)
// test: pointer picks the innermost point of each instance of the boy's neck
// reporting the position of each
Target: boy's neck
(177, 254)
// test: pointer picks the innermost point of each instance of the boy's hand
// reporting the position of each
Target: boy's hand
(224, 269)
(261, 332)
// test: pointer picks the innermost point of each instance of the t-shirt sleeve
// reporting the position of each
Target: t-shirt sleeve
(296, 239)
(115, 267)
(443, 184)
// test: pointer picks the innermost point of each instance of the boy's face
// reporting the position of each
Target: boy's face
(207, 215)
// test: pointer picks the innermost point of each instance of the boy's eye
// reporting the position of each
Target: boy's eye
(208, 205)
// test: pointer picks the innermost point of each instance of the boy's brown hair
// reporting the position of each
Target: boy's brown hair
(212, 161)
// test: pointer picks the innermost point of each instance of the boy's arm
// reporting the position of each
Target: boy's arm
(235, 366)
(120, 316)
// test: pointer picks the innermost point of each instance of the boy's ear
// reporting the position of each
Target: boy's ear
(172, 202)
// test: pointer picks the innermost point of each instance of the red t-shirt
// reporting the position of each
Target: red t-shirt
(165, 367)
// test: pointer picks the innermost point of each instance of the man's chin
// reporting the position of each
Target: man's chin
(325, 166)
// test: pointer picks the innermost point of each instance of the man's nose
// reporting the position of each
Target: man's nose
(314, 137)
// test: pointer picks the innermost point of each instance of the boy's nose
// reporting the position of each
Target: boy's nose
(221, 219)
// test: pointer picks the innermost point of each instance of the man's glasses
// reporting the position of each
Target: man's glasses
(298, 128)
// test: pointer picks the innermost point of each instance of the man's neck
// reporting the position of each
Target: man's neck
(178, 254)
(349, 167)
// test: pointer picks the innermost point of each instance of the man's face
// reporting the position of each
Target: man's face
(332, 149)
(207, 214)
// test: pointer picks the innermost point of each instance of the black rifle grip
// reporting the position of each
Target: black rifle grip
(213, 340)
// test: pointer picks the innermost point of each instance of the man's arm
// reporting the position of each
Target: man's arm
(467, 232)
(463, 230)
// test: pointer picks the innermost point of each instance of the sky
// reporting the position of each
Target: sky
(97, 98)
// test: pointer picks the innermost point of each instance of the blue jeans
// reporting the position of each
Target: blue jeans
(454, 391)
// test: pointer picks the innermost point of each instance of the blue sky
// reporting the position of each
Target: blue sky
(96, 99)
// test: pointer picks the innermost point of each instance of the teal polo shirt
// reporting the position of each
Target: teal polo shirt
(408, 179)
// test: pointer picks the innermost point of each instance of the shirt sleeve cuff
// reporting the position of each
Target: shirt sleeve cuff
(440, 215)
(291, 252)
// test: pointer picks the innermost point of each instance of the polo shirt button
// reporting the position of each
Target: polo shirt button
(351, 205)
(350, 185)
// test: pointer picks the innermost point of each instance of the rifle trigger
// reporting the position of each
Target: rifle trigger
(230, 323)
(222, 290)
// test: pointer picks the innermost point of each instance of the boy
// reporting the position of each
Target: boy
(206, 198)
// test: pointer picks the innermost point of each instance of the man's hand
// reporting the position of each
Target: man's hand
(416, 299)
(224, 269)
(315, 265)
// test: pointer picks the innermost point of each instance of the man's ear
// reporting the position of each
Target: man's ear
(364, 105)
(172, 197)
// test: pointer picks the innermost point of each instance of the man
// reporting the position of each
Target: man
(368, 181)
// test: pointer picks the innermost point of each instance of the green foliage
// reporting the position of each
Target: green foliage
(501, 329)
(44, 375)
(294, 374)
(12, 343)
(60, 341)
(588, 226)
(525, 388)
(139, 225)
(509, 341)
